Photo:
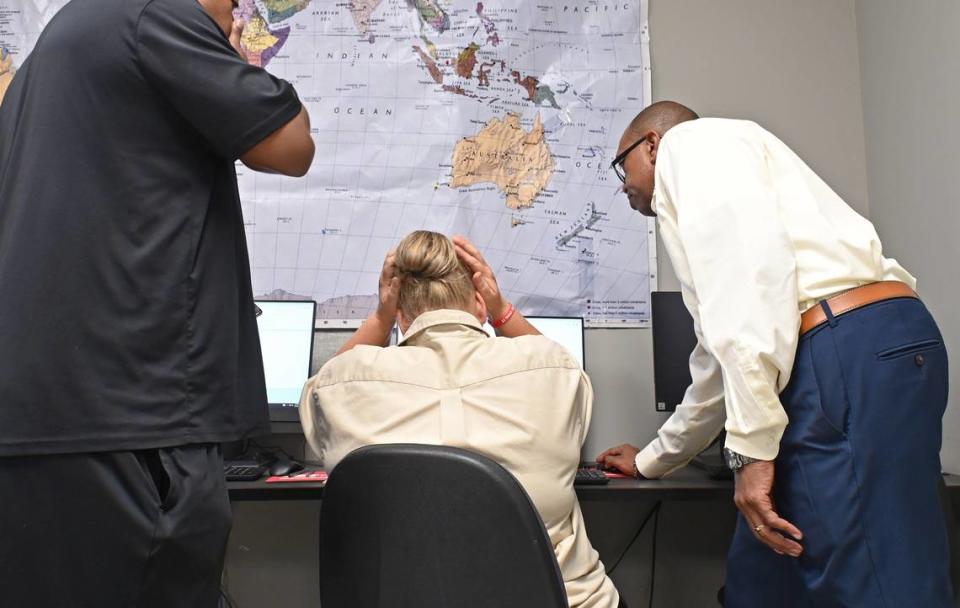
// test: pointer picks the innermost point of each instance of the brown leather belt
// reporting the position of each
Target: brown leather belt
(853, 299)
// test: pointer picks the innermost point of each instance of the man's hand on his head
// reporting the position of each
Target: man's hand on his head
(621, 458)
(483, 279)
(236, 33)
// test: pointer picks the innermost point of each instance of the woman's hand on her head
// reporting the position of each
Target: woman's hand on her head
(375, 331)
(483, 279)
(389, 290)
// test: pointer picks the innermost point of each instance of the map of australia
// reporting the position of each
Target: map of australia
(518, 162)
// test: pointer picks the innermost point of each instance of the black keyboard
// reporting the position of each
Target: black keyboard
(589, 476)
(243, 471)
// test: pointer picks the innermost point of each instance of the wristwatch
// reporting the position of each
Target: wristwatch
(735, 461)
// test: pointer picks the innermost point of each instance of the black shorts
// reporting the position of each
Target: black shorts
(138, 528)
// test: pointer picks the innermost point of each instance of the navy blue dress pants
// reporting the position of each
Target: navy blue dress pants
(858, 470)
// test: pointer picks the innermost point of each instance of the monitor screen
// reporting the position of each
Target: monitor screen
(286, 340)
(565, 331)
(673, 341)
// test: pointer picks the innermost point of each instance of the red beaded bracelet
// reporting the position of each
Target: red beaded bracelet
(497, 324)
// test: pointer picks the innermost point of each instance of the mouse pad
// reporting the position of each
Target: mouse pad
(314, 476)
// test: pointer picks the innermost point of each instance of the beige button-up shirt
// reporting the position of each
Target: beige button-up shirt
(755, 238)
(523, 402)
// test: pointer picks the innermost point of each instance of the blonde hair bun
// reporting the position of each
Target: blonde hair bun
(431, 274)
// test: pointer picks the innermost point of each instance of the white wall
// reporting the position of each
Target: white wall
(910, 75)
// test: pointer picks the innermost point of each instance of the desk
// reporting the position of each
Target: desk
(685, 484)
(276, 531)
(261, 490)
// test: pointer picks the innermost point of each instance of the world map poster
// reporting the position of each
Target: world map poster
(495, 119)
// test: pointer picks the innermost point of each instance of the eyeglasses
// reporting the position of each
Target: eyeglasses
(617, 164)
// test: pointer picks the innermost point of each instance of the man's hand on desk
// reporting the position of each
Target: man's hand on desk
(754, 499)
(622, 458)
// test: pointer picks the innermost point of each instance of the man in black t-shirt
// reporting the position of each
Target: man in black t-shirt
(128, 340)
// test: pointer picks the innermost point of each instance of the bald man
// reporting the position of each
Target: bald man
(816, 355)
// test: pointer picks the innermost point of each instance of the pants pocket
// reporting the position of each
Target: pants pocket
(152, 465)
(904, 350)
(828, 416)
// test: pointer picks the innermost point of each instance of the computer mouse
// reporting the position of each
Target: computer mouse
(284, 466)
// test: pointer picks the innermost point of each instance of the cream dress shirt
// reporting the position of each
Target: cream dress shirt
(523, 402)
(755, 238)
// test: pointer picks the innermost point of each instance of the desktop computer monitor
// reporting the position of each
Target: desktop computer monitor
(673, 341)
(565, 331)
(286, 340)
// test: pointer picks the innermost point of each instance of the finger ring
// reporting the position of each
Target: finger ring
(759, 528)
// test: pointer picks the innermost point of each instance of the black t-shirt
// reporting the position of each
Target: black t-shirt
(126, 310)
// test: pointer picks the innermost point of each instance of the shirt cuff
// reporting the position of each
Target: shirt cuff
(650, 466)
(762, 446)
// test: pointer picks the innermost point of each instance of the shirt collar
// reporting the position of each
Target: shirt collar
(443, 316)
(657, 181)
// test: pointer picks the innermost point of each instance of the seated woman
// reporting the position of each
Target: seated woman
(515, 392)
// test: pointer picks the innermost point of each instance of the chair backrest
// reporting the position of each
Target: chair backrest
(425, 526)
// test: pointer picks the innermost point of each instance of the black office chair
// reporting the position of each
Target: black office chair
(424, 526)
